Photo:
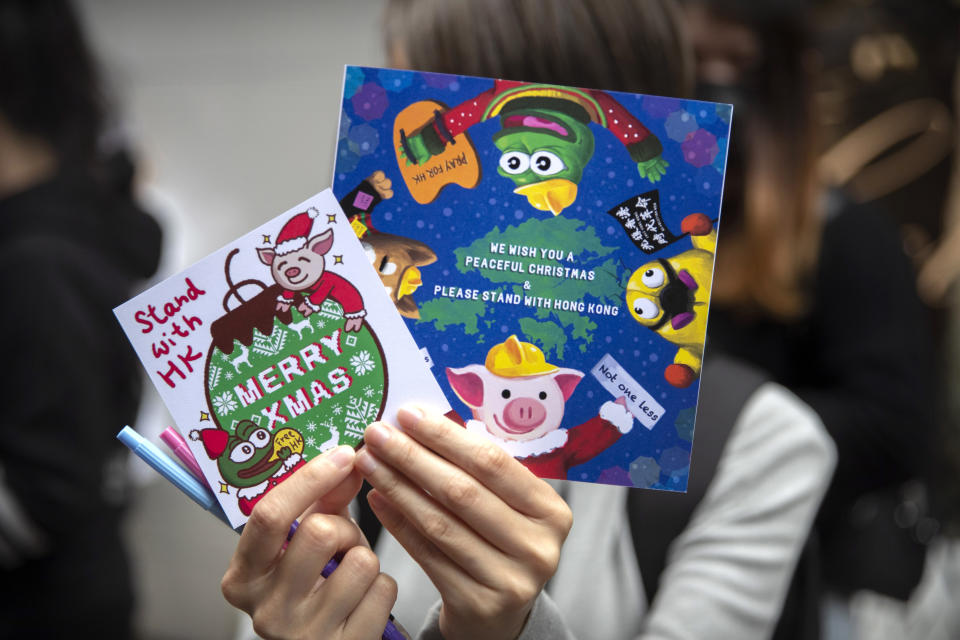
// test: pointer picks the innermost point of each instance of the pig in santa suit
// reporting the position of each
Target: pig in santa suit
(518, 400)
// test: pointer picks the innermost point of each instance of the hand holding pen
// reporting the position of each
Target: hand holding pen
(335, 485)
(283, 590)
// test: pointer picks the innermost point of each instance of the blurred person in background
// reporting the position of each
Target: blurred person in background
(814, 286)
(715, 562)
(74, 244)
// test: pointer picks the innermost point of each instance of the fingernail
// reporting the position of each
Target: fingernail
(342, 456)
(411, 413)
(376, 434)
(366, 462)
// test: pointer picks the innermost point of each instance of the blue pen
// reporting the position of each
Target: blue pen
(177, 475)
(200, 493)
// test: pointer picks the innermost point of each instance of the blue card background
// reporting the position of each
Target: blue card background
(694, 135)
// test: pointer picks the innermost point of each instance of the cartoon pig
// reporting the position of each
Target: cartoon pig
(296, 263)
(518, 401)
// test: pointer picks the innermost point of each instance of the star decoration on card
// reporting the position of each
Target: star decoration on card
(224, 487)
(337, 259)
(266, 239)
(331, 218)
(204, 416)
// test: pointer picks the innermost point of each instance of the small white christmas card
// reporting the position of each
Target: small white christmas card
(276, 348)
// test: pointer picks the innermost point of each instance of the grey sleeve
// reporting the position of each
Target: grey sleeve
(544, 623)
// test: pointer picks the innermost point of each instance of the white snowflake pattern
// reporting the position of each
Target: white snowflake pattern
(228, 375)
(337, 410)
(269, 345)
(311, 426)
(320, 323)
(359, 414)
(369, 392)
(362, 363)
(224, 403)
(311, 441)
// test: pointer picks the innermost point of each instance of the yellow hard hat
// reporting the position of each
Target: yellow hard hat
(515, 359)
(552, 195)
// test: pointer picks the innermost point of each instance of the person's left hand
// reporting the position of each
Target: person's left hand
(486, 531)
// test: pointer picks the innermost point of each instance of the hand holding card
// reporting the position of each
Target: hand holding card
(281, 586)
(486, 531)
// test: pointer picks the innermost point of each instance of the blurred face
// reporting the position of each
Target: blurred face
(725, 50)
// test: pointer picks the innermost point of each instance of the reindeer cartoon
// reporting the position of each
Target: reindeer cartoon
(244, 357)
(301, 326)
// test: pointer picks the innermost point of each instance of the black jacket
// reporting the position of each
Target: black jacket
(72, 248)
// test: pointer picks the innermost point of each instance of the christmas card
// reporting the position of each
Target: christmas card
(277, 347)
(551, 249)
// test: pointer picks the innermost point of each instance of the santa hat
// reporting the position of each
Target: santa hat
(294, 234)
(214, 441)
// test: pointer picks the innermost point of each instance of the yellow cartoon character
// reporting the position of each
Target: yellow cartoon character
(671, 296)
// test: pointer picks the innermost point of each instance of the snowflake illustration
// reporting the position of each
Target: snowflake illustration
(320, 323)
(311, 441)
(337, 410)
(228, 375)
(311, 426)
(359, 414)
(368, 392)
(269, 345)
(224, 403)
(362, 363)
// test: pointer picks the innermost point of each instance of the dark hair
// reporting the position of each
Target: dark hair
(771, 217)
(624, 45)
(49, 86)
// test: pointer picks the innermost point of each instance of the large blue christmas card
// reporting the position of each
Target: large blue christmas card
(551, 249)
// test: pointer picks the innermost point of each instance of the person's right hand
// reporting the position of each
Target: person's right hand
(485, 530)
(281, 588)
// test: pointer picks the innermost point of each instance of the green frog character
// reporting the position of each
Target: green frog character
(545, 138)
(252, 458)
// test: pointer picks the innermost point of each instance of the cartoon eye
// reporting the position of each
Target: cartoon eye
(514, 162)
(543, 395)
(646, 308)
(260, 438)
(546, 163)
(653, 277)
(386, 267)
(242, 452)
(505, 394)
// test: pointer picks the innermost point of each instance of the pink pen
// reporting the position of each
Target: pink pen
(181, 449)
